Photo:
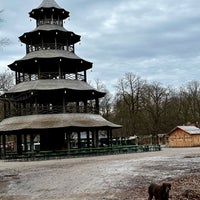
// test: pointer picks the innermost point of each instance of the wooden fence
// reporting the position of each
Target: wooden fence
(45, 155)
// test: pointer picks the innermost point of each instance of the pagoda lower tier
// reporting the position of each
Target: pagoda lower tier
(51, 96)
(54, 131)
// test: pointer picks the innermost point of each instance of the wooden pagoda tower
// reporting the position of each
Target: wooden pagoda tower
(51, 99)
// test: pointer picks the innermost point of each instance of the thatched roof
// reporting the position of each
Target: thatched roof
(51, 121)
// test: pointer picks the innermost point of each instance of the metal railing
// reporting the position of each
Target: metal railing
(50, 75)
(49, 46)
(50, 21)
(50, 110)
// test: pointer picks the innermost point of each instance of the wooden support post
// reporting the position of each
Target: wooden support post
(32, 142)
(108, 137)
(64, 110)
(19, 144)
(111, 138)
(79, 139)
(97, 106)
(25, 143)
(88, 139)
(68, 141)
(96, 138)
(3, 153)
(93, 139)
(85, 76)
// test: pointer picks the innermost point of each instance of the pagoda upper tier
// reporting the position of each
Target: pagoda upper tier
(49, 32)
(49, 9)
(50, 48)
(50, 36)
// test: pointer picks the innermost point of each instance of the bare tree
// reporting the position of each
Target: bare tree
(190, 102)
(6, 80)
(151, 109)
(155, 102)
(127, 102)
(105, 102)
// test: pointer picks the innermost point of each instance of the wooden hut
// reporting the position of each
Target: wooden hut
(184, 136)
(51, 99)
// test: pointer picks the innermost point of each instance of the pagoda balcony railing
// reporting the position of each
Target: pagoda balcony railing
(49, 46)
(51, 110)
(49, 75)
(50, 21)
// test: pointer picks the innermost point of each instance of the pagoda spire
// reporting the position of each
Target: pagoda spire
(49, 4)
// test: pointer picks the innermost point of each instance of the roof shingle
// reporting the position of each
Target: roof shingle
(49, 121)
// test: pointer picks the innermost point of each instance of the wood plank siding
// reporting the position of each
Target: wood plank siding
(184, 136)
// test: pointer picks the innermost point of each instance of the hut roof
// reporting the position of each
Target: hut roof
(51, 121)
(192, 130)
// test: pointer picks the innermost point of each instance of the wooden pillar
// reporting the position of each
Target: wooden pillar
(108, 137)
(88, 139)
(68, 141)
(97, 106)
(42, 42)
(25, 143)
(85, 76)
(76, 75)
(3, 153)
(85, 106)
(29, 77)
(56, 47)
(39, 72)
(111, 138)
(19, 144)
(79, 139)
(96, 138)
(64, 110)
(23, 76)
(9, 110)
(77, 107)
(93, 139)
(4, 109)
(16, 78)
(32, 142)
(59, 70)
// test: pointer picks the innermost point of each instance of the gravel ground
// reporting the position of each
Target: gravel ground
(113, 177)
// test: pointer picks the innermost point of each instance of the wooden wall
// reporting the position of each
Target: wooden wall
(179, 138)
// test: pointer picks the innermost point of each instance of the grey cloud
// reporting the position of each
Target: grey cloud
(153, 39)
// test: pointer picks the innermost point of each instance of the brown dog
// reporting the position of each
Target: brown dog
(160, 192)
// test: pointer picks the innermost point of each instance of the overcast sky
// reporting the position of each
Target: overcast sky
(158, 40)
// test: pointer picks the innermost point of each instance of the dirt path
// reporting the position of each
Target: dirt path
(117, 177)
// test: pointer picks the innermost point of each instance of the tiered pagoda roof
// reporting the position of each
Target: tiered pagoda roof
(51, 97)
